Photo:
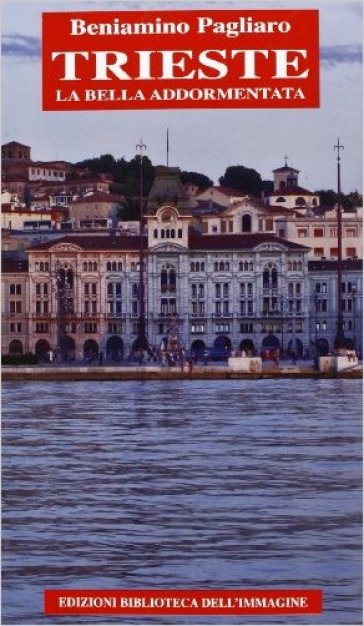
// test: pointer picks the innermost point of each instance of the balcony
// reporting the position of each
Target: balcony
(220, 316)
(167, 316)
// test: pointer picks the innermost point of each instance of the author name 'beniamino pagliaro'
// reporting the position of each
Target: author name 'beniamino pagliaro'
(168, 95)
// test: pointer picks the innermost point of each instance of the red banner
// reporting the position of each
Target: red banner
(183, 602)
(180, 59)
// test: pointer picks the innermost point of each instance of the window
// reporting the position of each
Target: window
(269, 224)
(333, 251)
(350, 232)
(41, 327)
(15, 327)
(302, 232)
(246, 327)
(222, 328)
(350, 252)
(333, 232)
(318, 232)
(90, 328)
(15, 290)
(15, 306)
(197, 328)
(318, 252)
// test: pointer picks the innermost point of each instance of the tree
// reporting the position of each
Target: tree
(328, 197)
(104, 164)
(196, 178)
(242, 179)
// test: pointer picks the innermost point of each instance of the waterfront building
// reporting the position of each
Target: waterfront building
(251, 292)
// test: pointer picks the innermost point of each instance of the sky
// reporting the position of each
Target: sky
(199, 140)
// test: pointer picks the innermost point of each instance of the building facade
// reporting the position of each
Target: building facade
(248, 292)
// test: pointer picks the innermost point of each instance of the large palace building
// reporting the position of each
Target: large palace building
(247, 291)
(222, 269)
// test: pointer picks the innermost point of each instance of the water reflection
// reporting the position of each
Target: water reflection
(182, 484)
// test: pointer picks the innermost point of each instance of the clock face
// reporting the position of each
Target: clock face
(167, 216)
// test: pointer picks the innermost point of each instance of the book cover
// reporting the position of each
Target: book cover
(182, 305)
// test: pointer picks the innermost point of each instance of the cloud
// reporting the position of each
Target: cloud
(18, 45)
(333, 55)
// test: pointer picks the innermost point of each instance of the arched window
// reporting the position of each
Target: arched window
(113, 266)
(193, 290)
(110, 289)
(289, 266)
(246, 266)
(120, 267)
(300, 201)
(266, 279)
(172, 280)
(227, 266)
(274, 278)
(298, 289)
(202, 267)
(246, 223)
(155, 233)
(294, 266)
(95, 266)
(241, 266)
(118, 290)
(221, 266)
(290, 289)
(85, 266)
(216, 267)
(251, 266)
(173, 233)
(280, 199)
(41, 266)
(192, 267)
(197, 267)
(201, 291)
(46, 267)
(299, 266)
(162, 233)
(180, 233)
(164, 280)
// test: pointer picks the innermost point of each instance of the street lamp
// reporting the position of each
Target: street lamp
(141, 343)
(340, 321)
(354, 295)
(281, 298)
(64, 292)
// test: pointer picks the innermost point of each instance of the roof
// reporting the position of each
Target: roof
(238, 242)
(12, 265)
(15, 143)
(292, 191)
(6, 208)
(196, 242)
(95, 242)
(286, 168)
(347, 264)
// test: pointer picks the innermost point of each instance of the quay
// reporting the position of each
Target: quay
(154, 372)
